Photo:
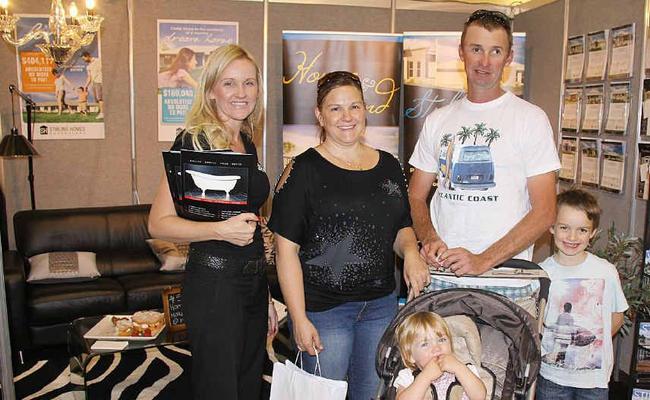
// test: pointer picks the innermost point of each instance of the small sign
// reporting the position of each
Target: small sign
(172, 304)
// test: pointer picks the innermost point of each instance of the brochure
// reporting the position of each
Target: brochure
(643, 182)
(597, 56)
(613, 165)
(622, 52)
(589, 162)
(618, 108)
(571, 109)
(215, 184)
(593, 115)
(643, 348)
(575, 59)
(645, 108)
(569, 158)
(172, 161)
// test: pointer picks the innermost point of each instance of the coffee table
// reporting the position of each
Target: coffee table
(81, 353)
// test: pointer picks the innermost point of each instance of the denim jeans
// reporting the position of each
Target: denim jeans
(547, 390)
(350, 334)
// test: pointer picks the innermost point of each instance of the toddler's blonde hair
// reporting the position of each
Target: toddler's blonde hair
(415, 325)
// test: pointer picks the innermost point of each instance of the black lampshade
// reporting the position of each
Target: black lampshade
(16, 145)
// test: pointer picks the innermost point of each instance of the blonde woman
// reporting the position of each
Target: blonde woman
(225, 293)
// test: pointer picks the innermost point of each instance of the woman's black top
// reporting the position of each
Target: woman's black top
(345, 223)
(259, 192)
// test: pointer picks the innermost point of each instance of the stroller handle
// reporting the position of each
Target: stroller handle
(518, 264)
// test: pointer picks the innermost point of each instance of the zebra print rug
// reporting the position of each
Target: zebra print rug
(155, 373)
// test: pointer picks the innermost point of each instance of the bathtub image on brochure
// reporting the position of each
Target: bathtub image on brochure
(215, 184)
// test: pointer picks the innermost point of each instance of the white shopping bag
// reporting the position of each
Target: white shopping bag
(292, 383)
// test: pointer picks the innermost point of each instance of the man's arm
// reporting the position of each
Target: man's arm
(419, 188)
(541, 190)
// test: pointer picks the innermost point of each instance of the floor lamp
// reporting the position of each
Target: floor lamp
(15, 145)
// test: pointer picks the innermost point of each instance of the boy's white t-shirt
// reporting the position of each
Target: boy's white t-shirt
(508, 137)
(577, 352)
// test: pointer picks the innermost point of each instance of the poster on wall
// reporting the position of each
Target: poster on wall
(589, 162)
(183, 47)
(640, 394)
(69, 100)
(593, 115)
(433, 76)
(575, 59)
(618, 108)
(622, 59)
(596, 56)
(569, 158)
(643, 348)
(307, 56)
(571, 109)
(643, 181)
(612, 165)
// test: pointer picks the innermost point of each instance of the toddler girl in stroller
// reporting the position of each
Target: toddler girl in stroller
(425, 345)
(501, 339)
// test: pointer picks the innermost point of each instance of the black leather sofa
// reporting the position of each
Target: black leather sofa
(39, 314)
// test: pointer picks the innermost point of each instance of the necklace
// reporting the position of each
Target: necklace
(351, 165)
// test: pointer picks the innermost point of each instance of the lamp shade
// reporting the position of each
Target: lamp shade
(16, 145)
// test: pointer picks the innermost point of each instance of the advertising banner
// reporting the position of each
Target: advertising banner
(183, 47)
(69, 100)
(375, 58)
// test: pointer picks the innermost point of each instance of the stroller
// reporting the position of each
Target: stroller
(501, 339)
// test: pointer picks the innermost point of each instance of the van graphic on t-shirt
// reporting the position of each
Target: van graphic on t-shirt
(467, 166)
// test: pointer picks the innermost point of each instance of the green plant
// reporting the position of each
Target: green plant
(626, 254)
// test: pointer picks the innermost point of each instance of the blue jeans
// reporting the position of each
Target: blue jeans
(547, 390)
(350, 334)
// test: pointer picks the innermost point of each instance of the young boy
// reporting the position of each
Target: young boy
(577, 354)
(82, 96)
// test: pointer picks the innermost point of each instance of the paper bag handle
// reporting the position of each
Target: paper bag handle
(316, 368)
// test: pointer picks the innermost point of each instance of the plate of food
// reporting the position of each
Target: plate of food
(142, 325)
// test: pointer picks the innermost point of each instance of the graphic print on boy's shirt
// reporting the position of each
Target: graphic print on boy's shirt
(573, 329)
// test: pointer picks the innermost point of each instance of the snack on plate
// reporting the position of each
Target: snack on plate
(146, 322)
(123, 326)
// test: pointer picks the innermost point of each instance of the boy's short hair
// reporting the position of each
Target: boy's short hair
(83, 89)
(581, 200)
(489, 20)
(414, 325)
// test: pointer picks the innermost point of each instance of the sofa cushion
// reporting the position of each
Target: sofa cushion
(62, 266)
(63, 302)
(144, 291)
(172, 256)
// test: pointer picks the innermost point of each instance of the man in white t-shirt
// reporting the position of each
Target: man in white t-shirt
(495, 161)
(94, 79)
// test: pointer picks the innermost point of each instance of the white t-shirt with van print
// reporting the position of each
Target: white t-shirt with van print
(483, 153)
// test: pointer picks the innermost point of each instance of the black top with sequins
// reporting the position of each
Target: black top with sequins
(345, 223)
(259, 192)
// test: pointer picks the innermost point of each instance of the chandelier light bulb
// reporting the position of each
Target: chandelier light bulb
(73, 11)
(90, 5)
(4, 4)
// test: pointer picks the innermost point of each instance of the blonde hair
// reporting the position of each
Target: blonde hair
(203, 118)
(415, 325)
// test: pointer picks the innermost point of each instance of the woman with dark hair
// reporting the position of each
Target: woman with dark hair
(340, 212)
(178, 73)
(226, 302)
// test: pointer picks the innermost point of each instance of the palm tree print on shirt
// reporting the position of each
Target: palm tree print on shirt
(448, 156)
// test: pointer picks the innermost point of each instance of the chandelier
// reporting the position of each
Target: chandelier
(66, 35)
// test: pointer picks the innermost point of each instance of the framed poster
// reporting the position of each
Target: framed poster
(643, 181)
(618, 108)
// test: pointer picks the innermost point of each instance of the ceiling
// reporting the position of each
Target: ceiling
(511, 7)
